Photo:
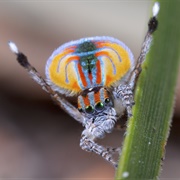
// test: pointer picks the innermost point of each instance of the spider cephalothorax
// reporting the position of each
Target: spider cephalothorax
(101, 72)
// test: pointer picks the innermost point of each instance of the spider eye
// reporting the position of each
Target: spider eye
(107, 100)
(99, 106)
(80, 109)
(89, 109)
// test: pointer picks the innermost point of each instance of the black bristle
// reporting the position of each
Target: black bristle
(22, 59)
(153, 24)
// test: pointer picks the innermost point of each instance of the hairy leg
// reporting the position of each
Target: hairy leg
(106, 153)
(33, 73)
(125, 92)
(152, 26)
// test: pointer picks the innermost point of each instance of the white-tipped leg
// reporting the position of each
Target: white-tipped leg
(33, 73)
(152, 26)
(125, 92)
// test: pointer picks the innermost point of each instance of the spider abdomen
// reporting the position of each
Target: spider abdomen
(88, 63)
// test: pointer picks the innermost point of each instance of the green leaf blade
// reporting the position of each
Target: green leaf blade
(148, 129)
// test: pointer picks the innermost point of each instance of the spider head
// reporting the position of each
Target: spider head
(96, 105)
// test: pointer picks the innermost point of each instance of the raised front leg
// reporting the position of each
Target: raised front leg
(125, 92)
(33, 73)
(152, 26)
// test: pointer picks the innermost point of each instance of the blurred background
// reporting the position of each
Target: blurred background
(37, 139)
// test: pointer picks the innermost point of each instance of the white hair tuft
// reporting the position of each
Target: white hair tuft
(155, 9)
(13, 47)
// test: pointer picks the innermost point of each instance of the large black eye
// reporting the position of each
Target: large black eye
(89, 109)
(107, 100)
(99, 106)
(80, 109)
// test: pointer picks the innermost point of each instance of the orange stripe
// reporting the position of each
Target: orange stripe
(86, 101)
(75, 86)
(97, 97)
(106, 95)
(72, 58)
(109, 80)
(101, 44)
(101, 53)
(72, 47)
(81, 74)
(67, 51)
(90, 77)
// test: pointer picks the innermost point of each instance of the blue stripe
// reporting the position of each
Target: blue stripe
(81, 101)
(94, 75)
(78, 76)
(91, 98)
(86, 74)
(102, 94)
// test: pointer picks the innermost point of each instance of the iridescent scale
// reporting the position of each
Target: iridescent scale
(87, 63)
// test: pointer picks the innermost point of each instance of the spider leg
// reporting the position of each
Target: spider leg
(33, 73)
(113, 150)
(89, 145)
(152, 26)
(125, 92)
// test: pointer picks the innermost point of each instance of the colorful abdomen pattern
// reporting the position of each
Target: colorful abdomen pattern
(88, 63)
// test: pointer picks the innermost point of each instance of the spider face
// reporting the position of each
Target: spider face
(97, 106)
(99, 122)
(94, 100)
